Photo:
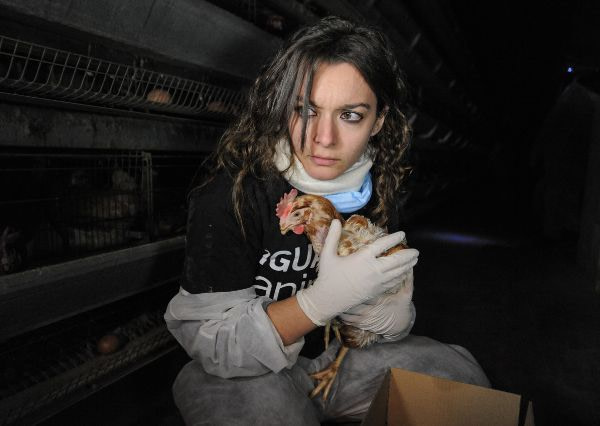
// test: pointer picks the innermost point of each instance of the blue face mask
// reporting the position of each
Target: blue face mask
(348, 202)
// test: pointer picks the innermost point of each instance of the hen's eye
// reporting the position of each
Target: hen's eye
(296, 213)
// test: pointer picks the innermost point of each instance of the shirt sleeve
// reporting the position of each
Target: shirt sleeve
(229, 333)
(216, 316)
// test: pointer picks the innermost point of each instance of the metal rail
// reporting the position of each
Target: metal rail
(48, 73)
(59, 382)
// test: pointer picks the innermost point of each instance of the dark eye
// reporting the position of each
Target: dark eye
(296, 213)
(351, 116)
(311, 111)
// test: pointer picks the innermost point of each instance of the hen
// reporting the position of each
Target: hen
(312, 215)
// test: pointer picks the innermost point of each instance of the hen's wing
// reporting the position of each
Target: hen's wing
(359, 231)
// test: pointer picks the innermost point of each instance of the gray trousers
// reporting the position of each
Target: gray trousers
(282, 398)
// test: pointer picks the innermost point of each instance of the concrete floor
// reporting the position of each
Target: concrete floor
(485, 280)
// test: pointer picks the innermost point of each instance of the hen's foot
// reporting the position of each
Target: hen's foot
(326, 377)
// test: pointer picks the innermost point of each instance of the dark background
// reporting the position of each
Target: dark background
(504, 268)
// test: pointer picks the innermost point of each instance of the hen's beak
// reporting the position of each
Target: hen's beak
(284, 227)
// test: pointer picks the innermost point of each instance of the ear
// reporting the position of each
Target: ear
(379, 122)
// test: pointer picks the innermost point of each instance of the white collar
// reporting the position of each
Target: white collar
(351, 180)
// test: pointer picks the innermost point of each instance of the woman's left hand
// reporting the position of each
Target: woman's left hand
(389, 315)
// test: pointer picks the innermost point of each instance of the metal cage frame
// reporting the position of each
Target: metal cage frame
(45, 72)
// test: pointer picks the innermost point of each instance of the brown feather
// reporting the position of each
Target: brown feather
(357, 232)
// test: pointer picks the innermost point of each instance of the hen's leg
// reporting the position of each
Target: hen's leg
(336, 331)
(326, 377)
(332, 324)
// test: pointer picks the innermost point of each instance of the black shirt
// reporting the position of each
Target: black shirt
(219, 258)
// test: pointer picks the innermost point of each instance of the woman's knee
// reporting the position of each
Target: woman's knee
(270, 399)
(423, 355)
(428, 356)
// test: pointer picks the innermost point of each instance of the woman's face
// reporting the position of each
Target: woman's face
(341, 118)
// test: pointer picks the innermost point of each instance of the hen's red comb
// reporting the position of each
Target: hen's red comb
(285, 204)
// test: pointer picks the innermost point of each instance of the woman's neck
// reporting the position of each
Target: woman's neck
(349, 181)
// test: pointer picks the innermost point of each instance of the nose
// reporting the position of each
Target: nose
(325, 133)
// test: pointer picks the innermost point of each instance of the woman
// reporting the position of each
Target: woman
(325, 116)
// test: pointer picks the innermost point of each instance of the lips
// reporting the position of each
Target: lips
(322, 161)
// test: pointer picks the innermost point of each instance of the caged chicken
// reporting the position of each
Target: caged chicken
(312, 215)
(100, 217)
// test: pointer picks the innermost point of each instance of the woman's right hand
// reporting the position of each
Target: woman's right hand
(344, 282)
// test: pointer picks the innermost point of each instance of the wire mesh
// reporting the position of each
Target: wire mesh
(69, 369)
(45, 72)
(57, 206)
(60, 206)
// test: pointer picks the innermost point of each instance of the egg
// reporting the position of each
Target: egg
(110, 343)
(217, 106)
(159, 96)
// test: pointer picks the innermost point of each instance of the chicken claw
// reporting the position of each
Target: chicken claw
(327, 376)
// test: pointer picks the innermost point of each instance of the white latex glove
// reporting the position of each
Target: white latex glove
(346, 281)
(390, 315)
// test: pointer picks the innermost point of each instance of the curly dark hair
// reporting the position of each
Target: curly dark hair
(248, 146)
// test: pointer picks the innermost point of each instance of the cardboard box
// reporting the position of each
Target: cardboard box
(412, 399)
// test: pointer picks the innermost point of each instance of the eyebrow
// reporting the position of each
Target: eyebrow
(346, 106)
